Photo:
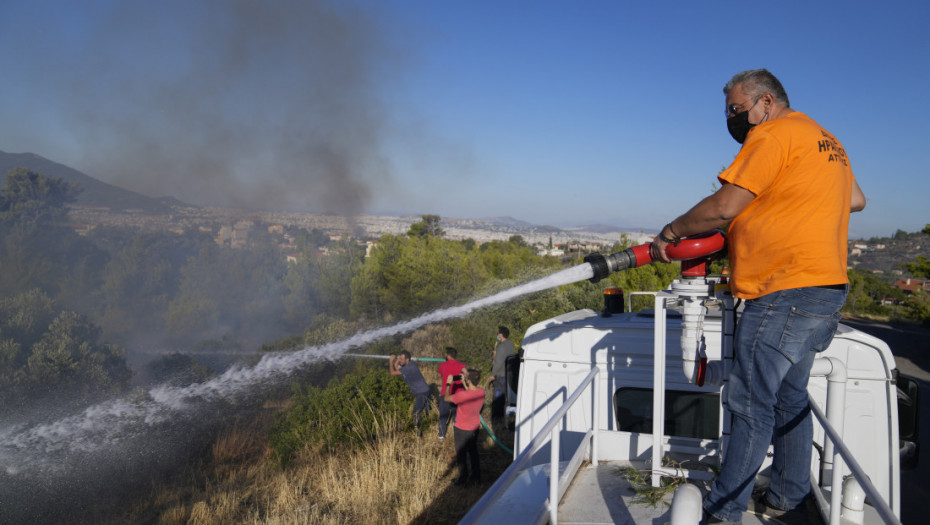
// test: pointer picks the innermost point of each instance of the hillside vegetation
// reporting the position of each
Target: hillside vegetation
(333, 445)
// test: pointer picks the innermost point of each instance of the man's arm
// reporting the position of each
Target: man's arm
(858, 198)
(392, 368)
(714, 211)
(464, 395)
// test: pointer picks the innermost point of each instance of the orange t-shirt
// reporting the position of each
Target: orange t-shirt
(794, 233)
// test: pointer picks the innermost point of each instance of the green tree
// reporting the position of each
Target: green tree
(23, 319)
(428, 227)
(51, 355)
(309, 241)
(37, 247)
(408, 275)
(919, 267)
(70, 356)
(228, 291)
(917, 307)
(30, 198)
(301, 281)
(318, 283)
(866, 293)
(140, 279)
(510, 260)
(345, 260)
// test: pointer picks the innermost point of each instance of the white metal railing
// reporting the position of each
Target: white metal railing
(552, 431)
(629, 298)
(842, 451)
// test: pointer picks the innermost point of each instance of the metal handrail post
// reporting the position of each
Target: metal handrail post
(554, 477)
(595, 425)
(658, 388)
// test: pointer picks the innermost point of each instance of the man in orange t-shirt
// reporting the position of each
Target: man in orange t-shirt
(787, 198)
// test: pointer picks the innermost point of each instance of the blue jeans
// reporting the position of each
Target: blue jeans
(498, 399)
(777, 338)
(420, 405)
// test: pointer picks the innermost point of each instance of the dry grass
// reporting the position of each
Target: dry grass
(397, 479)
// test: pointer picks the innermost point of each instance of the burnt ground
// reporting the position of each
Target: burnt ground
(911, 348)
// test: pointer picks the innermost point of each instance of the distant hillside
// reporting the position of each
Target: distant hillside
(95, 192)
(887, 254)
(602, 228)
(506, 221)
(117, 206)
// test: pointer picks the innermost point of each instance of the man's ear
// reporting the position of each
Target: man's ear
(768, 99)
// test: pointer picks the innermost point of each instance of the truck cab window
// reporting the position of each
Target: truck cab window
(687, 414)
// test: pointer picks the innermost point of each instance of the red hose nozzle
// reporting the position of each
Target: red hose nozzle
(694, 247)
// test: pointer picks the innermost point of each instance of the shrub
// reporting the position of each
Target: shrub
(350, 411)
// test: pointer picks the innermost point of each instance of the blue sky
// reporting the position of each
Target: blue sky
(557, 113)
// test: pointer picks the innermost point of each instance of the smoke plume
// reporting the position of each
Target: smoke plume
(269, 105)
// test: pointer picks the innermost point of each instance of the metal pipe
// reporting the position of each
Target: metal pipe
(687, 506)
(835, 372)
(853, 501)
(692, 328)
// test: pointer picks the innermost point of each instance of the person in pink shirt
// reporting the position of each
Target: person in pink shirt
(448, 368)
(467, 424)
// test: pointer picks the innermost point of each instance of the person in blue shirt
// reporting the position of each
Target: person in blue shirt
(403, 365)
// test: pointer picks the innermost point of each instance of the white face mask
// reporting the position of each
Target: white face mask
(499, 338)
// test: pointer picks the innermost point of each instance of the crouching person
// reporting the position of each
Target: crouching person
(467, 424)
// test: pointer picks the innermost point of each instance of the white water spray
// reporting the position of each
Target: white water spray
(31, 450)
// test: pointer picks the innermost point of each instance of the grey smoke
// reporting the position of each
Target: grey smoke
(273, 105)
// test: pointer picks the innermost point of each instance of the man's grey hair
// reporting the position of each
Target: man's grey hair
(757, 82)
